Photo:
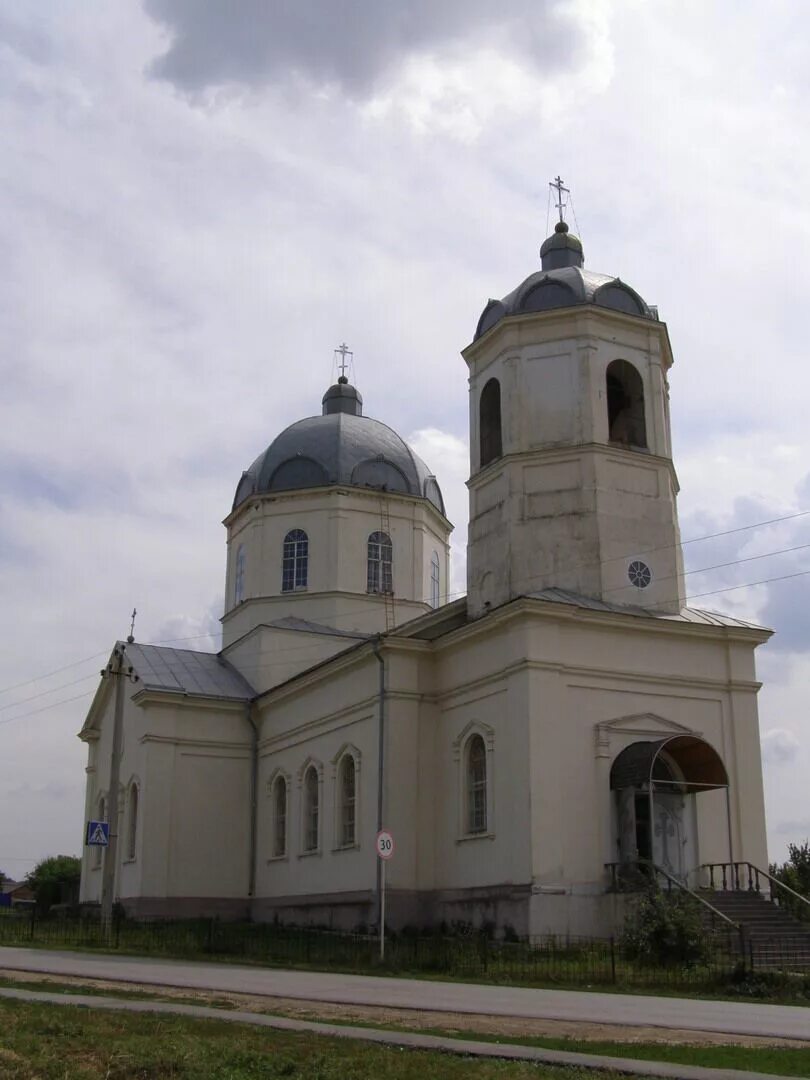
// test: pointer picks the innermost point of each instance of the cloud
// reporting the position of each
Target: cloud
(779, 746)
(354, 46)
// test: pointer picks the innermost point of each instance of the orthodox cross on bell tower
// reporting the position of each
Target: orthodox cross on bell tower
(343, 351)
(557, 185)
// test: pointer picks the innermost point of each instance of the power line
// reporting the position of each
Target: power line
(56, 671)
(44, 693)
(44, 708)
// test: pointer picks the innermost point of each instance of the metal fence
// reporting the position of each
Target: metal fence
(573, 961)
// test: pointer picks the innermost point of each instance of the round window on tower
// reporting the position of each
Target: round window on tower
(639, 573)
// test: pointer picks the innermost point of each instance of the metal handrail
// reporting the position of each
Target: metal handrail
(753, 878)
(680, 885)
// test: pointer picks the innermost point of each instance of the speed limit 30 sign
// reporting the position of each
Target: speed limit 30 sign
(385, 844)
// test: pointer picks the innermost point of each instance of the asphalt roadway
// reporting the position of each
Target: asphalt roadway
(733, 1017)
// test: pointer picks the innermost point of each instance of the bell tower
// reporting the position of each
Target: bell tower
(572, 484)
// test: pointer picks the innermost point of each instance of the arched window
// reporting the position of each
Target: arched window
(476, 762)
(489, 422)
(347, 782)
(279, 800)
(434, 580)
(380, 575)
(239, 576)
(132, 820)
(295, 561)
(311, 809)
(102, 816)
(625, 403)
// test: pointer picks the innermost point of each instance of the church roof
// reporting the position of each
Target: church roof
(563, 282)
(340, 447)
(690, 615)
(184, 671)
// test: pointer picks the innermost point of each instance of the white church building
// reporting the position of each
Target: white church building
(569, 715)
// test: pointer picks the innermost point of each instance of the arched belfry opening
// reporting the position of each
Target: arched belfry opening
(489, 423)
(627, 425)
(655, 785)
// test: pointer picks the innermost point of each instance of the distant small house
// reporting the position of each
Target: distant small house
(15, 894)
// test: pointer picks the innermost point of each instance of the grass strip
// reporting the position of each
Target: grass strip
(48, 1042)
(776, 1060)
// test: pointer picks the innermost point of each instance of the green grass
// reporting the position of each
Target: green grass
(779, 1061)
(53, 1042)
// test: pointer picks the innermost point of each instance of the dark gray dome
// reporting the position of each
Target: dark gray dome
(341, 447)
(562, 282)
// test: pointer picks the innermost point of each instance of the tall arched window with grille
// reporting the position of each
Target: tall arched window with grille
(435, 580)
(311, 809)
(132, 821)
(489, 423)
(239, 575)
(279, 803)
(347, 781)
(476, 785)
(380, 576)
(295, 561)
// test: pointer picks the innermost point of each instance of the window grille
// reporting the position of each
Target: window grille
(476, 785)
(348, 799)
(280, 817)
(295, 561)
(239, 576)
(311, 810)
(380, 577)
(132, 830)
(434, 580)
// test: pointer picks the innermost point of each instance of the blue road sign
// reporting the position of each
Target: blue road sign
(98, 834)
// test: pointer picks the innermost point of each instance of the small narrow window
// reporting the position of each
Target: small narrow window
(434, 580)
(311, 809)
(295, 561)
(132, 821)
(489, 422)
(279, 817)
(625, 405)
(476, 785)
(380, 577)
(348, 799)
(239, 576)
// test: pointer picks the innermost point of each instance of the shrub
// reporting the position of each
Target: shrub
(665, 929)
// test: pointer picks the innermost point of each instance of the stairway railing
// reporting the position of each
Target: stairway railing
(651, 871)
(745, 877)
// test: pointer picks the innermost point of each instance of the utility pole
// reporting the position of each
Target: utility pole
(114, 670)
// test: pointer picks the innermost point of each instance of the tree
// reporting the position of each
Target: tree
(795, 873)
(55, 880)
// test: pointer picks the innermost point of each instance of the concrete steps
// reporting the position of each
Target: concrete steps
(774, 938)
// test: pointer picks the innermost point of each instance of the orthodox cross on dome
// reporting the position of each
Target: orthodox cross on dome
(131, 637)
(557, 185)
(344, 351)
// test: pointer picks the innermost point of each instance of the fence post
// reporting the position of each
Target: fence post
(33, 921)
(612, 959)
(117, 926)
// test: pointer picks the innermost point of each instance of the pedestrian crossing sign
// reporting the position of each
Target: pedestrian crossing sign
(98, 834)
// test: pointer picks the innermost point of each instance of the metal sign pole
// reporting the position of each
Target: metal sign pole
(382, 910)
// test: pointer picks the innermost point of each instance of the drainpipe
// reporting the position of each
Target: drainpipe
(380, 765)
(254, 783)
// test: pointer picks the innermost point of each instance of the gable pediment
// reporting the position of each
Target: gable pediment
(637, 725)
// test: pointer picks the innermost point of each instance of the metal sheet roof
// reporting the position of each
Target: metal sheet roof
(687, 615)
(187, 672)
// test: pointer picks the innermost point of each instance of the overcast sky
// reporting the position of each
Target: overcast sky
(201, 200)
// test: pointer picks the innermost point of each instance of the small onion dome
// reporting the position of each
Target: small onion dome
(339, 447)
(563, 282)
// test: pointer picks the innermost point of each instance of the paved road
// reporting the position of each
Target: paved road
(739, 1018)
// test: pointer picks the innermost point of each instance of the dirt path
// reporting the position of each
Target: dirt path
(410, 1019)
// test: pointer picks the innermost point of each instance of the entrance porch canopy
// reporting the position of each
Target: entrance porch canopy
(645, 765)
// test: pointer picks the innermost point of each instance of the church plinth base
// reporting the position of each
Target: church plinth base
(229, 909)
